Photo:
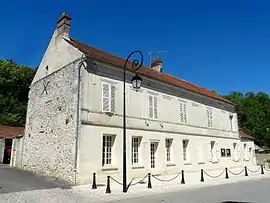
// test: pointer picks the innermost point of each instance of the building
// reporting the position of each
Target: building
(247, 145)
(10, 140)
(75, 119)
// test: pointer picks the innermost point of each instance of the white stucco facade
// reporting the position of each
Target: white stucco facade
(74, 128)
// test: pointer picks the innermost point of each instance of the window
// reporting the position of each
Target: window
(228, 152)
(168, 145)
(153, 110)
(183, 112)
(135, 149)
(209, 117)
(107, 149)
(108, 97)
(185, 145)
(231, 122)
(223, 154)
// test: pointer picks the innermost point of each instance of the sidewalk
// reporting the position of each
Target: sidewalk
(192, 181)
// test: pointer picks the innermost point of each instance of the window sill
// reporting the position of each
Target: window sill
(201, 162)
(214, 162)
(109, 168)
(137, 167)
(187, 163)
(170, 164)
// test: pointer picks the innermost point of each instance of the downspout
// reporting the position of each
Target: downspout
(81, 63)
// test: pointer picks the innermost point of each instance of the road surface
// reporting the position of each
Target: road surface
(256, 191)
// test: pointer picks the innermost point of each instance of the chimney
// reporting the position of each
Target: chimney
(157, 64)
(63, 25)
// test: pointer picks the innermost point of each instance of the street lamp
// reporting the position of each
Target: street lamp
(136, 84)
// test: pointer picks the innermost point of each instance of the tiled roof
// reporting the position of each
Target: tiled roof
(10, 131)
(244, 135)
(147, 72)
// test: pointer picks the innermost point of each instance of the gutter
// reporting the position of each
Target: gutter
(81, 63)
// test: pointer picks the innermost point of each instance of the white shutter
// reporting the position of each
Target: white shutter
(105, 97)
(112, 98)
(155, 108)
(217, 149)
(210, 154)
(185, 113)
(150, 104)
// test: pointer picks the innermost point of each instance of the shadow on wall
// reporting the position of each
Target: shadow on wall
(234, 202)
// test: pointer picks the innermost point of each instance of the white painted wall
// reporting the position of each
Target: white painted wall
(97, 123)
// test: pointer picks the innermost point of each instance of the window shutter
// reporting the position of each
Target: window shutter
(155, 108)
(150, 103)
(210, 155)
(112, 98)
(217, 151)
(105, 97)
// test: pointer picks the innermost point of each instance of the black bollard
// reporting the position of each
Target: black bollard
(149, 181)
(183, 178)
(94, 185)
(108, 189)
(262, 169)
(246, 173)
(227, 175)
(202, 178)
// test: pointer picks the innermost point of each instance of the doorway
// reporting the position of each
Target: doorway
(7, 151)
(153, 149)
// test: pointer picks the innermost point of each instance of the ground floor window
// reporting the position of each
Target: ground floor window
(185, 149)
(107, 146)
(225, 152)
(135, 149)
(168, 146)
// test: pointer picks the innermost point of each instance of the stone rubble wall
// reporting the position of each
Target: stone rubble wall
(50, 133)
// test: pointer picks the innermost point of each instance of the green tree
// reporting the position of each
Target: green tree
(253, 112)
(14, 86)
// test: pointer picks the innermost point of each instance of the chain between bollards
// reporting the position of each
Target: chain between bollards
(149, 181)
(108, 188)
(94, 185)
(226, 172)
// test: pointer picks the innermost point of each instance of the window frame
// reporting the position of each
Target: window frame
(183, 112)
(185, 150)
(135, 160)
(154, 108)
(168, 149)
(107, 149)
(209, 113)
(111, 97)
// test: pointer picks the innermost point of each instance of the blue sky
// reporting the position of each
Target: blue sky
(220, 45)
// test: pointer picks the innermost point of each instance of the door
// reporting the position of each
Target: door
(7, 151)
(153, 149)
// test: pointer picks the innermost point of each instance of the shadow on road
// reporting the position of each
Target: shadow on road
(234, 202)
(16, 180)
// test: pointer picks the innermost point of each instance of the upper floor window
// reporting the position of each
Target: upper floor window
(183, 112)
(209, 117)
(152, 105)
(108, 97)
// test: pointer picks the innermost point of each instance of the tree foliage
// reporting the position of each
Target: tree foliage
(253, 112)
(14, 86)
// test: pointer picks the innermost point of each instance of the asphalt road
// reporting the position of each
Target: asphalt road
(15, 180)
(257, 191)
